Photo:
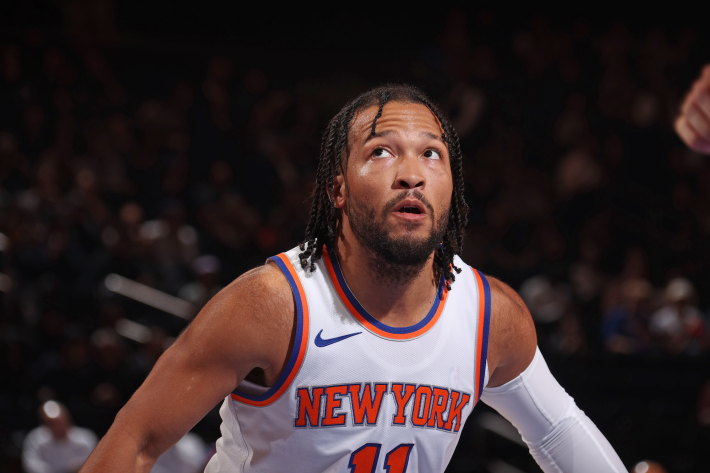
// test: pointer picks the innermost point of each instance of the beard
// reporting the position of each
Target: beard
(395, 259)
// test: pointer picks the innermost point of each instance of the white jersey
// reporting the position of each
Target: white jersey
(359, 396)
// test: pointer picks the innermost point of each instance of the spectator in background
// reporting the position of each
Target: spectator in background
(556, 317)
(198, 292)
(189, 455)
(624, 326)
(56, 446)
(172, 245)
(547, 301)
(648, 467)
(678, 324)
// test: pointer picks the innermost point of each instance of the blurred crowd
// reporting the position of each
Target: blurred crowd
(182, 174)
(636, 318)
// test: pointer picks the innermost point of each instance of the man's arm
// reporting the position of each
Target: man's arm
(512, 339)
(560, 437)
(693, 123)
(249, 324)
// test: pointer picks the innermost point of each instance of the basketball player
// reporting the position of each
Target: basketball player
(366, 348)
(693, 123)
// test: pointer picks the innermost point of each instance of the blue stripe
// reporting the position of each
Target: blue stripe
(486, 325)
(361, 310)
(296, 344)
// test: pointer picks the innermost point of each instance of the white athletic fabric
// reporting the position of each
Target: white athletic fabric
(42, 453)
(439, 358)
(560, 436)
(186, 456)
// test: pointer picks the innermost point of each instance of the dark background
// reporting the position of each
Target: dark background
(138, 137)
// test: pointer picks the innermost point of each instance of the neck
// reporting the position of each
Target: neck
(396, 296)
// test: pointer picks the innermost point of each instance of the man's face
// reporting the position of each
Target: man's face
(398, 183)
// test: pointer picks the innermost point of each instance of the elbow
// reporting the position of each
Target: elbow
(130, 434)
(555, 434)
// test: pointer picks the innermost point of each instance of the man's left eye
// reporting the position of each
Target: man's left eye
(432, 154)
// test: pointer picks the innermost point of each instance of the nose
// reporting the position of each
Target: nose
(410, 174)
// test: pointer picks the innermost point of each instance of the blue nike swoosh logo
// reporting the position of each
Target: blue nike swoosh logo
(324, 342)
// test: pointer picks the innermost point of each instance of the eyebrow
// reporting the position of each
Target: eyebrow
(426, 134)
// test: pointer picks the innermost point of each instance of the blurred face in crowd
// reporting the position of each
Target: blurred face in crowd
(55, 416)
(398, 183)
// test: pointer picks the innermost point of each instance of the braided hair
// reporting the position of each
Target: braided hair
(324, 218)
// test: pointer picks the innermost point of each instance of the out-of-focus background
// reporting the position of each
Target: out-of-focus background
(173, 146)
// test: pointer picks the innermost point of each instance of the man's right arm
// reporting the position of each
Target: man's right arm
(247, 325)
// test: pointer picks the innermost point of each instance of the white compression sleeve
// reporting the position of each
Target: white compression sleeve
(559, 435)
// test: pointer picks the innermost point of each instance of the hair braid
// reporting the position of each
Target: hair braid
(319, 219)
(344, 129)
(458, 210)
(383, 100)
(324, 217)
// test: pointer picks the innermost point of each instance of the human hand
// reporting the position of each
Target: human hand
(693, 123)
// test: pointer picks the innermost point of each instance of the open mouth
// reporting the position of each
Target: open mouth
(411, 207)
(410, 210)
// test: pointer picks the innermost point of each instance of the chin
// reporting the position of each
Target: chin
(411, 229)
(412, 240)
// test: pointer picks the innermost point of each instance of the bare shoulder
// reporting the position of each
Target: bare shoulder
(248, 324)
(262, 294)
(512, 338)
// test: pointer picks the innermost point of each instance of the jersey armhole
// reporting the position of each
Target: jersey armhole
(483, 292)
(298, 352)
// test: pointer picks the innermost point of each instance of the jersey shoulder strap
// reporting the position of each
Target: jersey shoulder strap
(483, 299)
(298, 352)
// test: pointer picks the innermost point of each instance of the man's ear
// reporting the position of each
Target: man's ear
(339, 192)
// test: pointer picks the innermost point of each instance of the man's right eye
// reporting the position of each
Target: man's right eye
(381, 153)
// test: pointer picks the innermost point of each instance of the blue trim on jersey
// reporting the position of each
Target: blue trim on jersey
(486, 326)
(296, 344)
(366, 315)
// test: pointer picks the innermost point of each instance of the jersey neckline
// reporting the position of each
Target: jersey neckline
(366, 319)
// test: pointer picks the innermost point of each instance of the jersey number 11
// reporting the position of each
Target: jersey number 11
(364, 459)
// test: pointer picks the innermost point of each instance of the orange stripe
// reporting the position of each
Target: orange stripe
(479, 336)
(302, 349)
(365, 322)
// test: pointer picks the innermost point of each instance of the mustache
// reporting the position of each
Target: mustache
(392, 203)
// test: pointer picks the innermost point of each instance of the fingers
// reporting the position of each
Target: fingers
(690, 97)
(693, 125)
(691, 137)
(698, 118)
(702, 100)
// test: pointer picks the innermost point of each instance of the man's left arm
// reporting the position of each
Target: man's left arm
(559, 435)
